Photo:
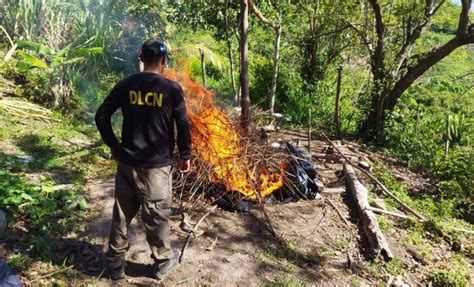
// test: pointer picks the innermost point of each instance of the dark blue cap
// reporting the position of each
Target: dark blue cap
(152, 49)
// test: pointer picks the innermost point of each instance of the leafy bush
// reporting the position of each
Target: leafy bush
(39, 206)
(445, 278)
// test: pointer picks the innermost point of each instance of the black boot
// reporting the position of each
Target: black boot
(164, 267)
(117, 273)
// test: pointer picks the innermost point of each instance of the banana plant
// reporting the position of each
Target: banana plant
(50, 58)
(57, 64)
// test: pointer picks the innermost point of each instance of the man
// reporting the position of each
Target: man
(151, 105)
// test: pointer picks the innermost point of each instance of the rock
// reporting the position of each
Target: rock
(364, 165)
(3, 223)
(269, 128)
(275, 145)
(399, 282)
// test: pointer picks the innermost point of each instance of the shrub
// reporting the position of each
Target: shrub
(444, 278)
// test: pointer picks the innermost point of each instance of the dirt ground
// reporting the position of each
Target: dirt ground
(313, 246)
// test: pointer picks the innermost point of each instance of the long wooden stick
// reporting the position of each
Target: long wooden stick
(309, 131)
(193, 232)
(383, 211)
(337, 210)
(53, 273)
(372, 177)
(338, 95)
(446, 143)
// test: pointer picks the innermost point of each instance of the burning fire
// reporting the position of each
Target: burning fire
(217, 142)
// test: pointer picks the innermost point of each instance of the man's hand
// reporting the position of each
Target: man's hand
(114, 150)
(184, 165)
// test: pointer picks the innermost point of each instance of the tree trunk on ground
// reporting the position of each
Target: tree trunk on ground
(338, 94)
(203, 69)
(244, 78)
(377, 242)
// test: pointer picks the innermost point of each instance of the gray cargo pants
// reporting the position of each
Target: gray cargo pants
(149, 188)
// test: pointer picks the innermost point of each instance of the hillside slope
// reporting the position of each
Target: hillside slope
(59, 233)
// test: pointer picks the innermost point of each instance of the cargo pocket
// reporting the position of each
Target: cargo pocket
(158, 183)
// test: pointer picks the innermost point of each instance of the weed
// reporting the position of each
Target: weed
(263, 257)
(221, 224)
(20, 261)
(285, 281)
(384, 224)
(341, 243)
(316, 260)
(394, 267)
(286, 250)
(375, 268)
(356, 281)
(445, 278)
(289, 268)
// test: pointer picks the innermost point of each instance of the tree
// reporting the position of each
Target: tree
(390, 42)
(276, 53)
(244, 76)
(229, 51)
(324, 36)
(215, 16)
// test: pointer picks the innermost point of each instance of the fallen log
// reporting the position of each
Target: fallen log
(377, 242)
(381, 185)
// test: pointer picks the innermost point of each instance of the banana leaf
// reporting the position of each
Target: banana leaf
(35, 47)
(88, 51)
(30, 61)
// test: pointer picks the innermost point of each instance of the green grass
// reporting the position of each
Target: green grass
(384, 223)
(62, 156)
(287, 281)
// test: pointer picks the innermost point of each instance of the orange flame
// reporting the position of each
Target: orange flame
(217, 142)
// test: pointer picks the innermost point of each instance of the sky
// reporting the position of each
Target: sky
(459, 3)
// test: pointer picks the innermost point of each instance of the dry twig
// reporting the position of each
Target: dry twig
(192, 234)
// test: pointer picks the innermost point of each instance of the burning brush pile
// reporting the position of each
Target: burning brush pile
(235, 171)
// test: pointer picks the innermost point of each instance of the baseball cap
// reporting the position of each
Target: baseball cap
(154, 48)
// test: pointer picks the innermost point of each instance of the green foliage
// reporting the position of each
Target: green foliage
(445, 278)
(20, 261)
(395, 267)
(416, 130)
(459, 130)
(39, 206)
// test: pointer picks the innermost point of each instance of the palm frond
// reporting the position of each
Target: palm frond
(198, 49)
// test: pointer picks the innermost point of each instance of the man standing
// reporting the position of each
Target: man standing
(151, 105)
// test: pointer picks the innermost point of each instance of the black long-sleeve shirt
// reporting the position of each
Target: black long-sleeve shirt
(150, 104)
